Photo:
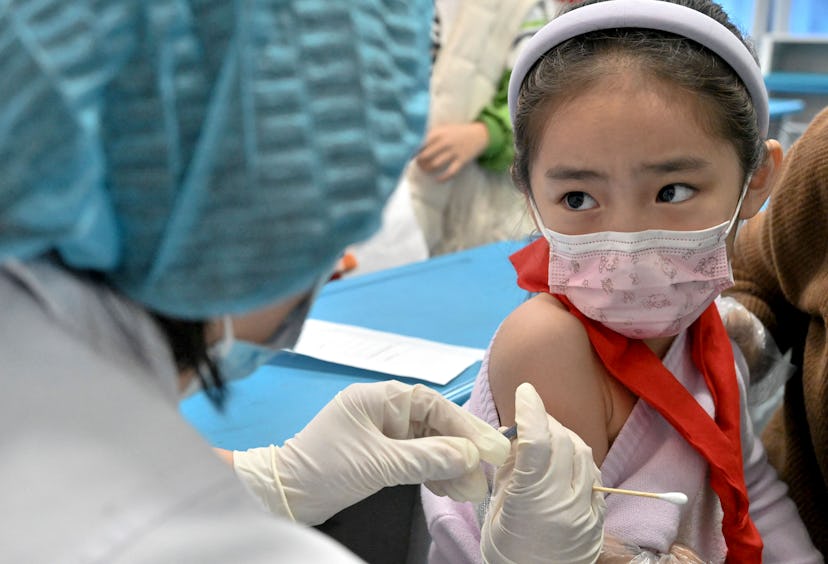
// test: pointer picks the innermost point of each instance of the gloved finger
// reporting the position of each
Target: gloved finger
(572, 457)
(585, 474)
(416, 461)
(533, 457)
(504, 473)
(437, 487)
(433, 414)
(469, 487)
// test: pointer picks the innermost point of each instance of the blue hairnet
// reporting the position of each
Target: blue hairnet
(207, 157)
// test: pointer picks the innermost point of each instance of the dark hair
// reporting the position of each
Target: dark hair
(189, 349)
(567, 69)
(186, 340)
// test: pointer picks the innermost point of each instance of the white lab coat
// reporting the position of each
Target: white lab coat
(97, 465)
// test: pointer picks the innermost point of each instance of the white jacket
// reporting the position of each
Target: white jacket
(476, 206)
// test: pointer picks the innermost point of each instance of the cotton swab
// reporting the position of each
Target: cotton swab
(677, 498)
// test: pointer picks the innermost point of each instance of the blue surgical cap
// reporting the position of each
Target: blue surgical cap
(207, 157)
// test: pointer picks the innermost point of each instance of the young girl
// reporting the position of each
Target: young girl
(639, 129)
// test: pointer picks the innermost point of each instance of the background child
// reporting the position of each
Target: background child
(639, 130)
(461, 191)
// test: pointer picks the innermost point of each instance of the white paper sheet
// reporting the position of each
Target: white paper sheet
(380, 351)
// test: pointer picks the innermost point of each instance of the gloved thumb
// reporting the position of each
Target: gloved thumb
(449, 465)
(534, 449)
(469, 487)
(440, 416)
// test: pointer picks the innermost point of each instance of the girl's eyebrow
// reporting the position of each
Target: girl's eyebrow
(562, 172)
(678, 164)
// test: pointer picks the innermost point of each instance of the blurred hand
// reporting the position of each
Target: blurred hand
(448, 148)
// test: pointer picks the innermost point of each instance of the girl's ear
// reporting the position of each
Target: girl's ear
(760, 185)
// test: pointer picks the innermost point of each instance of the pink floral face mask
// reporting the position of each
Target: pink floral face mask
(644, 284)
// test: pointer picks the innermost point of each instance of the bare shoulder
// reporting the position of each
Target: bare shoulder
(542, 343)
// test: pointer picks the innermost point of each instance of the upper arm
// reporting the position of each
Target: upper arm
(543, 344)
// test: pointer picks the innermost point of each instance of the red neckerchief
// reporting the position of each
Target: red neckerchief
(633, 364)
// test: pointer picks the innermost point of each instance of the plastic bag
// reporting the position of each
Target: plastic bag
(616, 551)
(769, 368)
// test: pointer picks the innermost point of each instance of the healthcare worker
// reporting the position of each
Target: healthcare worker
(162, 165)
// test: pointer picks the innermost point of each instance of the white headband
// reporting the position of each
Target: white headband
(646, 14)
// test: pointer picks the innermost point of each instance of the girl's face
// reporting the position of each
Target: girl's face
(630, 154)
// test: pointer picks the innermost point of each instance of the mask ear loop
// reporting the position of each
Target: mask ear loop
(228, 337)
(538, 218)
(735, 216)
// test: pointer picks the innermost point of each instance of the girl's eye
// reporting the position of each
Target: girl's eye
(578, 201)
(674, 193)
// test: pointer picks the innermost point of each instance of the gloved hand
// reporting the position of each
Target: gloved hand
(543, 508)
(368, 437)
(448, 148)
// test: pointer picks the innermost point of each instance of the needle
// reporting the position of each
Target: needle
(677, 498)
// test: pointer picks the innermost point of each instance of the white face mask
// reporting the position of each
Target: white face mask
(644, 284)
(238, 359)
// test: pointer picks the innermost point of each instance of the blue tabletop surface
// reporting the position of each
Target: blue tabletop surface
(458, 299)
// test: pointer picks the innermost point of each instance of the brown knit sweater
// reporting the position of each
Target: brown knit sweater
(781, 269)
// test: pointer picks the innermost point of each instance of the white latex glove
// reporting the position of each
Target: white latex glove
(543, 507)
(368, 437)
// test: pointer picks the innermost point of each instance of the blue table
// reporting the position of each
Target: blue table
(781, 108)
(797, 82)
(458, 299)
